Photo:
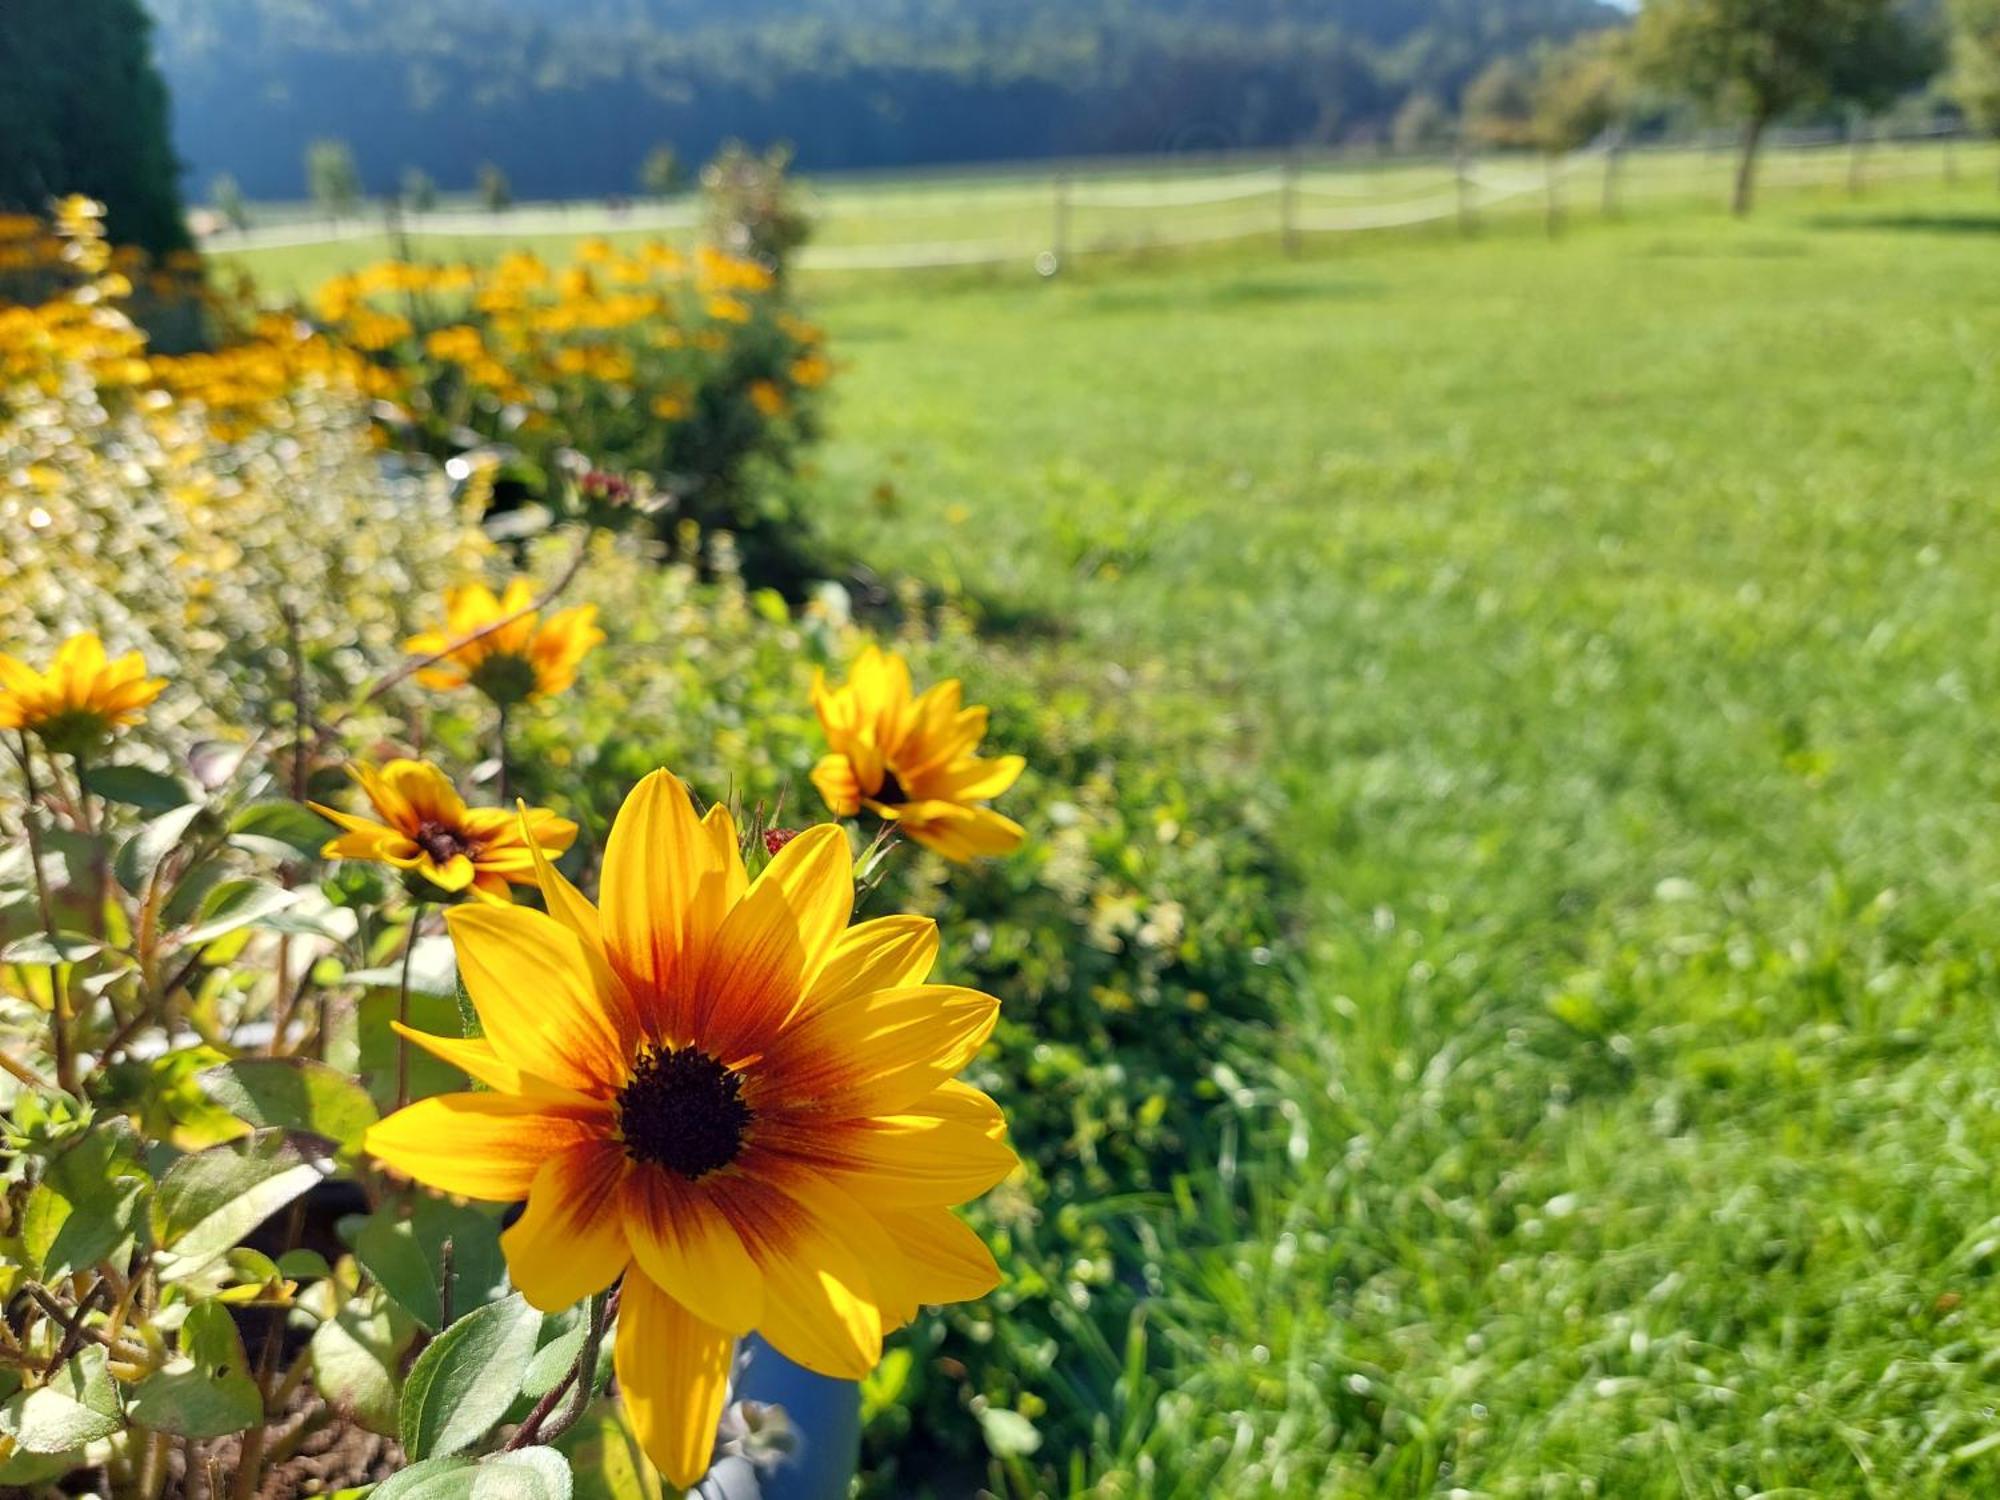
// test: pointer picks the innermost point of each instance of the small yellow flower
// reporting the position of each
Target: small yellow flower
(913, 762)
(427, 829)
(525, 658)
(720, 1091)
(81, 698)
(767, 398)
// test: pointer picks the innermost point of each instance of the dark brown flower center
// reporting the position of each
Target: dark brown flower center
(441, 842)
(891, 793)
(684, 1111)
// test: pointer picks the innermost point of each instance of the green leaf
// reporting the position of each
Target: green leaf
(289, 828)
(86, 1207)
(135, 786)
(467, 1378)
(552, 1362)
(235, 904)
(293, 1093)
(40, 949)
(1008, 1433)
(78, 1406)
(356, 1354)
(142, 853)
(525, 1474)
(207, 1390)
(478, 1265)
(209, 1201)
(388, 1250)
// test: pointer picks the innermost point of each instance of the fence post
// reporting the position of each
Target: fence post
(1288, 206)
(1059, 228)
(1857, 144)
(1462, 173)
(1612, 154)
(1552, 220)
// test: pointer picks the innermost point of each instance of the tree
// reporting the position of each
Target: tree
(1974, 80)
(1581, 91)
(1499, 105)
(332, 178)
(660, 175)
(1757, 60)
(494, 189)
(82, 110)
(420, 194)
(227, 200)
(1422, 124)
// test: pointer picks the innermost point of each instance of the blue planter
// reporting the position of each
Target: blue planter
(825, 1418)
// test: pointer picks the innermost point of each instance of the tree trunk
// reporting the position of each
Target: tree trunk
(1746, 165)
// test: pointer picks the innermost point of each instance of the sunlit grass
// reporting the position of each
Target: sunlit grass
(1619, 614)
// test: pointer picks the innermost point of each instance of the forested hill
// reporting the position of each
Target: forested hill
(567, 96)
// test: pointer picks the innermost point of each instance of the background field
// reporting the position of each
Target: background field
(1616, 613)
(1007, 216)
(1619, 616)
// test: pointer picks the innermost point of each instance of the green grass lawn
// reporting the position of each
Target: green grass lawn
(1620, 617)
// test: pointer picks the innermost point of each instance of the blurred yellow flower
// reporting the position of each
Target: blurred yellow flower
(526, 657)
(427, 829)
(720, 1091)
(767, 398)
(912, 761)
(81, 698)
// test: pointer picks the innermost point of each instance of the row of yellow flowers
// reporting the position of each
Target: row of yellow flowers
(715, 1091)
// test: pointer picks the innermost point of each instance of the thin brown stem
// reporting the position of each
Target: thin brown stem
(500, 745)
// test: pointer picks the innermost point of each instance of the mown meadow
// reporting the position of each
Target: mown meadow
(1615, 617)
(1495, 994)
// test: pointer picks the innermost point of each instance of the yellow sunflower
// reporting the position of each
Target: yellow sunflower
(81, 698)
(912, 761)
(427, 829)
(527, 657)
(722, 1092)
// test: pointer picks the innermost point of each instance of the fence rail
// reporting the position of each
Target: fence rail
(993, 218)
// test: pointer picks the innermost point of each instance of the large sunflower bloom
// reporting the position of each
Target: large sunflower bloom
(527, 657)
(81, 698)
(426, 828)
(724, 1093)
(912, 762)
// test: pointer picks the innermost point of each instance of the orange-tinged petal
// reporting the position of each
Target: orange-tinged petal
(883, 954)
(876, 1054)
(480, 1145)
(475, 1057)
(773, 944)
(685, 1244)
(895, 1161)
(673, 1372)
(531, 984)
(835, 778)
(651, 869)
(720, 879)
(816, 1246)
(571, 1242)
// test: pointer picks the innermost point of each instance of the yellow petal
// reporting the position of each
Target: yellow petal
(480, 1145)
(650, 872)
(673, 1372)
(570, 1243)
(775, 941)
(820, 1305)
(876, 1054)
(475, 1057)
(683, 1242)
(902, 1160)
(884, 954)
(531, 984)
(946, 1261)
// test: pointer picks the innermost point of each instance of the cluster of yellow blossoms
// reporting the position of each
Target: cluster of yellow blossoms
(710, 1090)
(519, 329)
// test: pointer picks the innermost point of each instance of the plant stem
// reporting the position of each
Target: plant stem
(582, 1375)
(500, 746)
(403, 1008)
(58, 982)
